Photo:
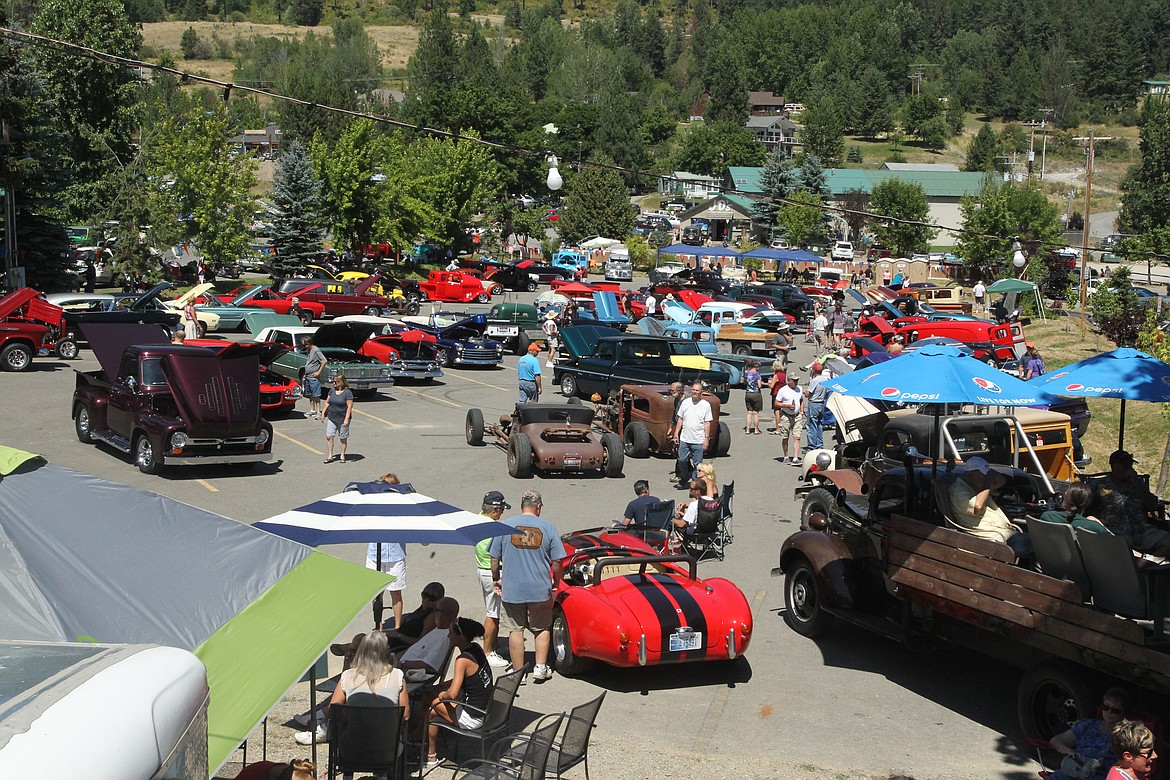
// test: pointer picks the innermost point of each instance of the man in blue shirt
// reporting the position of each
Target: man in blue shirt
(635, 513)
(528, 371)
(532, 558)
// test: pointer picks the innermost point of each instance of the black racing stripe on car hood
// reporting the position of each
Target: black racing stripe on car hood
(692, 613)
(664, 610)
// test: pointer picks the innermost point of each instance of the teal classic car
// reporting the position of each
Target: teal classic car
(233, 315)
(364, 374)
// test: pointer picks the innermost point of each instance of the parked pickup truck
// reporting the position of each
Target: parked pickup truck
(515, 325)
(596, 359)
(170, 405)
(23, 333)
(892, 563)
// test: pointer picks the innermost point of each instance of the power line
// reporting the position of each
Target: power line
(227, 87)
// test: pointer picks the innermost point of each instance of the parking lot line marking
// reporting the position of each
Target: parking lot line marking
(379, 419)
(714, 717)
(208, 485)
(286, 437)
(429, 397)
(485, 384)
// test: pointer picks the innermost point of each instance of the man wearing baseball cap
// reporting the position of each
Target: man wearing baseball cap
(528, 373)
(493, 509)
(1123, 502)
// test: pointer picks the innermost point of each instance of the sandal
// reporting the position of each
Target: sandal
(342, 459)
(329, 460)
(433, 761)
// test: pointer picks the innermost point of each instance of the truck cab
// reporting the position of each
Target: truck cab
(572, 260)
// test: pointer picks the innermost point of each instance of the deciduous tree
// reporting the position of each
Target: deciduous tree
(596, 203)
(903, 201)
(1000, 213)
(1145, 191)
(802, 219)
(709, 148)
(824, 131)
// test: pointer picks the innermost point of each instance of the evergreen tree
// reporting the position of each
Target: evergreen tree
(903, 200)
(1145, 191)
(307, 13)
(775, 184)
(824, 131)
(433, 71)
(512, 17)
(297, 228)
(874, 116)
(983, 150)
(812, 176)
(726, 80)
(596, 203)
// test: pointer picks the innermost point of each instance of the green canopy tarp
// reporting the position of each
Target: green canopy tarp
(1018, 286)
(86, 559)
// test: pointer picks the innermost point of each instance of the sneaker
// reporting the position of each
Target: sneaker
(541, 672)
(495, 659)
(302, 720)
(432, 762)
(307, 737)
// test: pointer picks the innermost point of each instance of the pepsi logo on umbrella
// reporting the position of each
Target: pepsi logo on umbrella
(986, 384)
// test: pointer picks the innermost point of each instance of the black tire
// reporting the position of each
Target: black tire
(615, 454)
(83, 424)
(473, 427)
(742, 349)
(817, 500)
(498, 289)
(483, 298)
(722, 441)
(531, 286)
(307, 319)
(1051, 697)
(637, 440)
(444, 358)
(569, 386)
(575, 401)
(519, 456)
(802, 596)
(67, 349)
(412, 297)
(201, 327)
(412, 307)
(564, 659)
(522, 342)
(373, 311)
(16, 357)
(145, 457)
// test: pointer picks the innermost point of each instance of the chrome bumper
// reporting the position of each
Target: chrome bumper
(212, 460)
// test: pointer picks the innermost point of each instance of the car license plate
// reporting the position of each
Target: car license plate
(572, 462)
(420, 375)
(680, 642)
(498, 331)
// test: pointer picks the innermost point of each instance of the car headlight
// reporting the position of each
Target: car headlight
(293, 392)
(179, 440)
(262, 437)
(459, 347)
(823, 461)
(386, 371)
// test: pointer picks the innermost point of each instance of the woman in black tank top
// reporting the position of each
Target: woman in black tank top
(470, 685)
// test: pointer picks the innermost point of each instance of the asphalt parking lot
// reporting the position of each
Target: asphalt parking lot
(847, 706)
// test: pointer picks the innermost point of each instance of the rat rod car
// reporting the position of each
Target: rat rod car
(550, 437)
(170, 405)
(622, 603)
(641, 415)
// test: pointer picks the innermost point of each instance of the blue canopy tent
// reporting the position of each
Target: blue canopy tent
(686, 250)
(784, 256)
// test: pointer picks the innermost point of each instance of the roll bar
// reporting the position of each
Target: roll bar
(643, 562)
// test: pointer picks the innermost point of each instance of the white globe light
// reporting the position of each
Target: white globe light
(1018, 259)
(554, 181)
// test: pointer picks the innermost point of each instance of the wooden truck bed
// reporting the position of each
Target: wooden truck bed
(974, 581)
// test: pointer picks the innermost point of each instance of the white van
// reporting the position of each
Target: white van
(618, 267)
(124, 712)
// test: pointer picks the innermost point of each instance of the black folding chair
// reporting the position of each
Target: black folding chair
(572, 748)
(657, 527)
(533, 764)
(496, 718)
(366, 736)
(712, 533)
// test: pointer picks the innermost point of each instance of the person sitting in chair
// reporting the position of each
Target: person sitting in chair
(430, 651)
(686, 518)
(975, 510)
(470, 684)
(1124, 503)
(1075, 511)
(635, 513)
(420, 621)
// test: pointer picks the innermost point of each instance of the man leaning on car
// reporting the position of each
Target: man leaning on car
(532, 558)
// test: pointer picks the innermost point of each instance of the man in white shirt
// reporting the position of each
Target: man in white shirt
(789, 401)
(980, 291)
(651, 305)
(692, 431)
(820, 325)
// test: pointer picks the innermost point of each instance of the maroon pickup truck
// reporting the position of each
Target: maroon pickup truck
(22, 333)
(344, 298)
(170, 405)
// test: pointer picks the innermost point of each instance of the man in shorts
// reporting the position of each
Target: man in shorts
(532, 558)
(493, 509)
(789, 402)
(314, 365)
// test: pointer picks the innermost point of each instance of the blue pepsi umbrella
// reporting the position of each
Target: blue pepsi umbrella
(1124, 373)
(939, 374)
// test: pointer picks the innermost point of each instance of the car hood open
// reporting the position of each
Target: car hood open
(581, 340)
(109, 341)
(142, 300)
(217, 394)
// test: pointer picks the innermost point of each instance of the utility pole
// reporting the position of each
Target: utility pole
(1088, 201)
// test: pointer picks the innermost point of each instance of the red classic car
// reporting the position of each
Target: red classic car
(622, 603)
(267, 298)
(456, 287)
(278, 394)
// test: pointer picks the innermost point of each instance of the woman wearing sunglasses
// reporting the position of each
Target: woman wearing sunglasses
(1089, 739)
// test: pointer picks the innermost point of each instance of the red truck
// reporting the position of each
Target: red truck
(28, 324)
(170, 405)
(455, 287)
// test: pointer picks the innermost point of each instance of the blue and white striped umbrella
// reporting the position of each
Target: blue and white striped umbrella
(390, 516)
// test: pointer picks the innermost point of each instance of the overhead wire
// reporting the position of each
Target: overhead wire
(227, 87)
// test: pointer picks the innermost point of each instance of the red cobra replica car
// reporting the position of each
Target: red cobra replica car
(278, 394)
(624, 604)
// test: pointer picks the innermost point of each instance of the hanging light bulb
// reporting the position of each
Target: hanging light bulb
(1018, 259)
(554, 181)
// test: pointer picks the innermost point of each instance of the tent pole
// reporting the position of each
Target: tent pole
(1121, 427)
(312, 709)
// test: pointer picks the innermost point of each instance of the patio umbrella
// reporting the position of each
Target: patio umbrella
(395, 514)
(1124, 373)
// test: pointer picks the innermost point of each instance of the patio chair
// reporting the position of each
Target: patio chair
(713, 534)
(572, 748)
(1058, 554)
(366, 734)
(533, 764)
(1118, 585)
(496, 718)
